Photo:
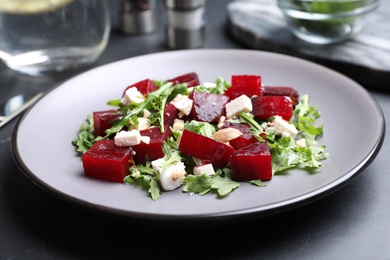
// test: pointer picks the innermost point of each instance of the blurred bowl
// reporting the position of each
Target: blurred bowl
(326, 21)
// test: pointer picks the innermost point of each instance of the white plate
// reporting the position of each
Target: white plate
(354, 132)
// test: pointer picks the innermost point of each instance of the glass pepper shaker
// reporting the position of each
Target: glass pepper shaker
(185, 26)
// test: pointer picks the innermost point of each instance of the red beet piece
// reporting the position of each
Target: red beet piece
(267, 106)
(245, 139)
(205, 148)
(191, 79)
(105, 160)
(103, 120)
(144, 86)
(249, 85)
(153, 150)
(208, 107)
(252, 163)
(282, 91)
(170, 114)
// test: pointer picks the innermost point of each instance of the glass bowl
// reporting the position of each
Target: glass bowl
(326, 21)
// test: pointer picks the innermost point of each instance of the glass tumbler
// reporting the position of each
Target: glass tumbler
(41, 36)
(326, 21)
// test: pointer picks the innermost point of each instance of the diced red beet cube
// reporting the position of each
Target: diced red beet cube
(267, 106)
(153, 150)
(208, 107)
(249, 85)
(205, 148)
(282, 91)
(103, 120)
(243, 140)
(105, 160)
(252, 162)
(144, 86)
(191, 79)
(170, 114)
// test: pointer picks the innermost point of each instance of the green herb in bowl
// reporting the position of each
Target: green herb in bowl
(326, 21)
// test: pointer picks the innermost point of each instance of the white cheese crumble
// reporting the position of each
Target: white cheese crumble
(178, 124)
(145, 139)
(147, 113)
(183, 103)
(132, 95)
(284, 128)
(210, 85)
(171, 177)
(143, 124)
(207, 169)
(127, 138)
(301, 142)
(240, 104)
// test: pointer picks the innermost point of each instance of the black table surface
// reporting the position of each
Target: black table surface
(350, 223)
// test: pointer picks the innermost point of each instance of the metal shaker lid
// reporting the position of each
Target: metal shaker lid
(184, 4)
(138, 16)
(142, 22)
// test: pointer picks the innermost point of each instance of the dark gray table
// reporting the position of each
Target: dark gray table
(351, 223)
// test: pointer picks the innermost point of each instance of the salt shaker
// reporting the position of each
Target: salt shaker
(185, 26)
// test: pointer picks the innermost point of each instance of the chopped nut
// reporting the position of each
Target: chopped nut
(222, 120)
(178, 124)
(226, 134)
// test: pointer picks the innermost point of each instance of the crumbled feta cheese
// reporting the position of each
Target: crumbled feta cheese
(171, 177)
(145, 139)
(204, 169)
(240, 104)
(183, 103)
(284, 128)
(178, 124)
(143, 124)
(136, 173)
(127, 138)
(132, 95)
(209, 85)
(156, 164)
(147, 113)
(301, 142)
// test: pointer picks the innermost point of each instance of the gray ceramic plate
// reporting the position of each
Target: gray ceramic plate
(354, 132)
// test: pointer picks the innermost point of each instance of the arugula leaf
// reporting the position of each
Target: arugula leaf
(258, 183)
(200, 185)
(224, 185)
(221, 182)
(283, 154)
(85, 137)
(171, 155)
(145, 177)
(221, 86)
(256, 129)
(114, 102)
(202, 128)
